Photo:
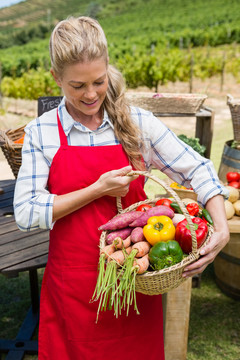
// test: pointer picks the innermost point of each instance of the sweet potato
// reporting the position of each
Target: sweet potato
(121, 233)
(121, 221)
(154, 211)
(137, 234)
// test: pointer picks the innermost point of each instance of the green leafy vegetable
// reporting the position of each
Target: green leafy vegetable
(194, 143)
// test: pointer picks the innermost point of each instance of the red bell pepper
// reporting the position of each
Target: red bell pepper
(193, 209)
(184, 237)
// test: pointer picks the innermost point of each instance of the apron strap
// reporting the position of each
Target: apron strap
(62, 135)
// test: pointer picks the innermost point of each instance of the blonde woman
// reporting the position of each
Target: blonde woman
(75, 162)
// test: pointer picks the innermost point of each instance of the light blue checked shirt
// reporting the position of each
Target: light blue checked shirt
(33, 203)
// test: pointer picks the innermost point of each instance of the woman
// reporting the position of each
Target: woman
(75, 162)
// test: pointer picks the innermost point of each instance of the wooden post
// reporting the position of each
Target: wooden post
(204, 129)
(177, 312)
(0, 85)
(191, 74)
(222, 71)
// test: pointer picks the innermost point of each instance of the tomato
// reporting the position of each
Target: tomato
(235, 184)
(233, 176)
(166, 202)
(143, 207)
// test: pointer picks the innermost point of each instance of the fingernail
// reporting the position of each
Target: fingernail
(202, 252)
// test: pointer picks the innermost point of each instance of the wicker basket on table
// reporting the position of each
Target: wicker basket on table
(168, 103)
(159, 282)
(11, 150)
(234, 106)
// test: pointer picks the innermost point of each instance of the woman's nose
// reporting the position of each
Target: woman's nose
(90, 93)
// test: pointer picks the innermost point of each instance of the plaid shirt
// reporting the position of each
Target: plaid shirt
(33, 204)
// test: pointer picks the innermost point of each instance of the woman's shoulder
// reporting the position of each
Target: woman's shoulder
(145, 118)
(139, 112)
(46, 119)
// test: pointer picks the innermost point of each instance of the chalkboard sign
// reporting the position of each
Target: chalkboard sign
(46, 103)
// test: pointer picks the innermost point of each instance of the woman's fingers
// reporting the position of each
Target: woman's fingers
(116, 182)
(208, 253)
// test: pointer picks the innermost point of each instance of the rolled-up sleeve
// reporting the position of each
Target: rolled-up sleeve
(33, 204)
(165, 151)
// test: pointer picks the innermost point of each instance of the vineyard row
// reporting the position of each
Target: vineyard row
(150, 69)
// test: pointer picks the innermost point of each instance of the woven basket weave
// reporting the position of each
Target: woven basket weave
(160, 282)
(234, 106)
(12, 151)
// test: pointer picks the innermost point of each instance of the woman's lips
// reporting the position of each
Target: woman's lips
(90, 104)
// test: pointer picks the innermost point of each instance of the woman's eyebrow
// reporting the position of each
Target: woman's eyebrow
(81, 82)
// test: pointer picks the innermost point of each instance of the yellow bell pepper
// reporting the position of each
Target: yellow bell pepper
(175, 185)
(159, 228)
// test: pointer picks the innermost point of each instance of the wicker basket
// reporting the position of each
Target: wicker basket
(167, 103)
(183, 193)
(12, 151)
(234, 105)
(159, 282)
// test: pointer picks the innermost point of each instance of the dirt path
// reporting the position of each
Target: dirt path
(17, 112)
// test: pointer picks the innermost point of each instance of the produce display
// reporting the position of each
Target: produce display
(233, 179)
(149, 238)
(19, 141)
(232, 205)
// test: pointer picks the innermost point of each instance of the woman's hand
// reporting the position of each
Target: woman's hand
(208, 253)
(116, 182)
(218, 240)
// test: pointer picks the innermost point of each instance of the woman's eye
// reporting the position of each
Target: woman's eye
(99, 82)
(77, 87)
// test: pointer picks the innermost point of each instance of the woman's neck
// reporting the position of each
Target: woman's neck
(92, 122)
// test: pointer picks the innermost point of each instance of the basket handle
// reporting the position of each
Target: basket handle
(4, 140)
(174, 195)
(230, 99)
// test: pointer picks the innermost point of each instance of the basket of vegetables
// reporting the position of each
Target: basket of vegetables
(11, 142)
(146, 247)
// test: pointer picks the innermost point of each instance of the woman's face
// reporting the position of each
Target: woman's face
(85, 86)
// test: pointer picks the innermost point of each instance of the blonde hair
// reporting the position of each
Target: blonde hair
(82, 39)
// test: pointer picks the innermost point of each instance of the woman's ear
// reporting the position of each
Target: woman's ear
(56, 78)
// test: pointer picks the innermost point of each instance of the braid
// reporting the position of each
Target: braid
(126, 131)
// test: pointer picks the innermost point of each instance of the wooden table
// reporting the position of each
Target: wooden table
(20, 251)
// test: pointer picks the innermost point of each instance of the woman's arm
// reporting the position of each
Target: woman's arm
(218, 240)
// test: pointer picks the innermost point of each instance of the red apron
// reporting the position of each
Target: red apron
(67, 329)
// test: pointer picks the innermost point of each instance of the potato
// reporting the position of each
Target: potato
(233, 194)
(188, 201)
(230, 211)
(236, 206)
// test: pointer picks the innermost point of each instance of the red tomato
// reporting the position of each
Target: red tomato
(166, 202)
(235, 184)
(233, 176)
(143, 207)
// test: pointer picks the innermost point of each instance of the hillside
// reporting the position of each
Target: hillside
(151, 42)
(137, 21)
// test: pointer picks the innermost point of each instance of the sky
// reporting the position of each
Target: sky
(4, 3)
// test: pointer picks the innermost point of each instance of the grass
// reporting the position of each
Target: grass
(214, 331)
(214, 319)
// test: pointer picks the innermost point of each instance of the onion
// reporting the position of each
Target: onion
(177, 218)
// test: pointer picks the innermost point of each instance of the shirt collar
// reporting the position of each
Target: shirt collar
(68, 122)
